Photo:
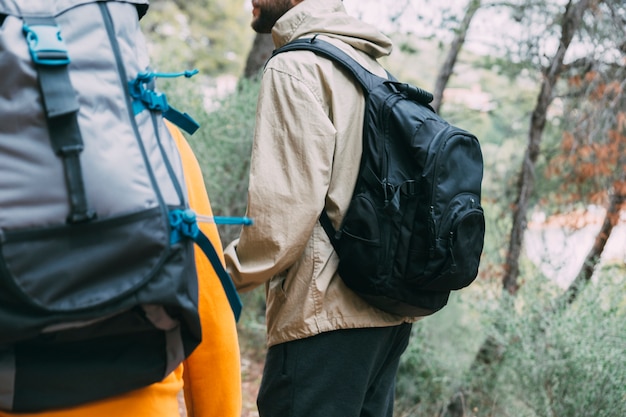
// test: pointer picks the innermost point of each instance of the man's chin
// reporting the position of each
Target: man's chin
(259, 27)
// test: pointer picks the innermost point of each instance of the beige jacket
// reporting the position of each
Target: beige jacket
(305, 156)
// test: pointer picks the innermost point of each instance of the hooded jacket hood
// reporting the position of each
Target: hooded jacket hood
(329, 17)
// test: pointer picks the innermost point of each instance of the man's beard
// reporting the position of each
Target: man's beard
(268, 15)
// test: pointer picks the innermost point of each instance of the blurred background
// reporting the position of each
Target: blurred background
(542, 84)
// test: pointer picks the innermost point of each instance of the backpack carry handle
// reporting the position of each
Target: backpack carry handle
(414, 93)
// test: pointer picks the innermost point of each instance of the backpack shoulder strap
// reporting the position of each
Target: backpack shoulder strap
(367, 80)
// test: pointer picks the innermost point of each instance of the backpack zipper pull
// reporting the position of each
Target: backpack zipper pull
(431, 224)
(450, 249)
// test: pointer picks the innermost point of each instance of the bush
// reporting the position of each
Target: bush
(223, 146)
(569, 362)
(548, 362)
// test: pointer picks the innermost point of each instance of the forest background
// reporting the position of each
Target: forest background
(542, 84)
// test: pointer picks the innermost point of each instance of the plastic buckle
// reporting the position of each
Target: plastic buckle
(189, 225)
(150, 98)
(155, 101)
(183, 223)
(46, 45)
(142, 91)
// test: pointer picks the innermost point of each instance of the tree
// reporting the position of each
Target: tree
(259, 54)
(447, 69)
(491, 351)
(617, 198)
(571, 21)
(591, 163)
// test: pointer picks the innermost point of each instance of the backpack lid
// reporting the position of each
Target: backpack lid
(56, 7)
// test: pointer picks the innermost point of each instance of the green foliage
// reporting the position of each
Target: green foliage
(211, 35)
(567, 362)
(222, 146)
(442, 347)
(570, 362)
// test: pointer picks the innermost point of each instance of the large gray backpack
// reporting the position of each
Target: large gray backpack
(98, 289)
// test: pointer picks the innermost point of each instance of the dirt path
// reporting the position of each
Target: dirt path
(251, 372)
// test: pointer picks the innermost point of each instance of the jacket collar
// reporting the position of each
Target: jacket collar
(329, 17)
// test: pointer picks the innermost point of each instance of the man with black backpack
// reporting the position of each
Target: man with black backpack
(330, 353)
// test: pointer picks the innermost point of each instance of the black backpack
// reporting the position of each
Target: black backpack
(415, 228)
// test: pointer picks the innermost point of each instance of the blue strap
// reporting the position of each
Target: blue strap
(229, 288)
(184, 224)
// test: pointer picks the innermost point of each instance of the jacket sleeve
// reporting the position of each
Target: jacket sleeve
(290, 171)
(212, 377)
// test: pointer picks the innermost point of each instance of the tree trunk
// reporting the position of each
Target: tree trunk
(262, 48)
(611, 218)
(446, 70)
(571, 21)
(491, 352)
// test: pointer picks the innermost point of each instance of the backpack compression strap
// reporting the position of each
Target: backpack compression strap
(184, 224)
(49, 54)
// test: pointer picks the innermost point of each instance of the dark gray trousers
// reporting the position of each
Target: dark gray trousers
(343, 373)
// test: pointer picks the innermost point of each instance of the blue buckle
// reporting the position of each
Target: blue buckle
(46, 45)
(150, 98)
(183, 224)
(144, 96)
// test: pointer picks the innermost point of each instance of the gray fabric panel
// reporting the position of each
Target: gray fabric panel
(175, 350)
(29, 171)
(7, 377)
(104, 119)
(134, 50)
(159, 317)
(173, 339)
